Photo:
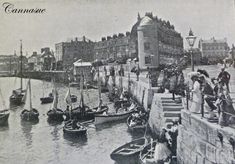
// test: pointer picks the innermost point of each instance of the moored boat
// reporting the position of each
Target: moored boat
(48, 99)
(73, 128)
(31, 114)
(129, 152)
(18, 95)
(4, 115)
(147, 154)
(136, 123)
(122, 114)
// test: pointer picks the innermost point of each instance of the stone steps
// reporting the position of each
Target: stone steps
(172, 108)
(172, 114)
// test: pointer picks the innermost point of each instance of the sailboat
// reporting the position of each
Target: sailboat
(55, 114)
(17, 97)
(31, 114)
(4, 113)
(48, 99)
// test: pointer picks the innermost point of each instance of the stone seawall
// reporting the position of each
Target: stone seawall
(60, 76)
(139, 90)
(199, 141)
(163, 111)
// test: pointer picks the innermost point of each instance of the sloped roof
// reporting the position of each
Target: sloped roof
(79, 63)
(146, 21)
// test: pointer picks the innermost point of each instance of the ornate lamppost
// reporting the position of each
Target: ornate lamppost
(191, 40)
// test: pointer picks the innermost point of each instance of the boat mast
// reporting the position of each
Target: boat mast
(30, 96)
(21, 65)
(99, 85)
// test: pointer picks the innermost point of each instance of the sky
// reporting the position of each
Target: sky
(94, 19)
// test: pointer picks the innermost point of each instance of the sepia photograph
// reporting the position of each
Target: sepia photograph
(117, 82)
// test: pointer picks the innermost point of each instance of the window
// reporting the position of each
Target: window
(147, 60)
(146, 46)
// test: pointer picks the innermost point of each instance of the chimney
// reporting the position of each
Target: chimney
(76, 39)
(84, 39)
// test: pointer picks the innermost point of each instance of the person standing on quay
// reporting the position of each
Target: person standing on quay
(224, 77)
(137, 73)
(197, 95)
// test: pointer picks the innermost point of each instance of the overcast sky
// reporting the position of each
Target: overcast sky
(65, 19)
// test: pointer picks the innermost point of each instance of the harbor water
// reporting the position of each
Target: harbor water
(44, 143)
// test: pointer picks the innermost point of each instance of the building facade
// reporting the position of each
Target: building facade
(214, 49)
(113, 48)
(66, 53)
(158, 42)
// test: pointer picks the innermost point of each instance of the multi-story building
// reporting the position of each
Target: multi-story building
(66, 53)
(10, 63)
(158, 42)
(42, 62)
(113, 47)
(214, 49)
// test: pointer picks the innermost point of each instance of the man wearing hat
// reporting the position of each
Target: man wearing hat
(224, 77)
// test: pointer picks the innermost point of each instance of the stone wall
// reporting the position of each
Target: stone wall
(198, 141)
(139, 90)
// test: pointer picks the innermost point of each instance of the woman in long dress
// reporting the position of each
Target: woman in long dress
(196, 95)
(162, 153)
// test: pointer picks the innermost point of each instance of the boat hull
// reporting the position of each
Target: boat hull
(100, 118)
(55, 115)
(31, 116)
(147, 154)
(128, 153)
(4, 115)
(88, 115)
(16, 100)
(136, 127)
(46, 100)
(69, 130)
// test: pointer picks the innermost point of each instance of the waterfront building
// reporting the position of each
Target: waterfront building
(42, 62)
(214, 49)
(66, 53)
(10, 63)
(113, 48)
(157, 41)
(84, 68)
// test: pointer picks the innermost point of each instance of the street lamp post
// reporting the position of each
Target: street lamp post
(191, 40)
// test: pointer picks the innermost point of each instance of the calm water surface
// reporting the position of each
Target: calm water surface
(41, 143)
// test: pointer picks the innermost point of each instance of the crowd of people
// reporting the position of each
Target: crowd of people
(215, 92)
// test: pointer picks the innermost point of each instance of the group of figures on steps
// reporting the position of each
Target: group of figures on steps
(215, 92)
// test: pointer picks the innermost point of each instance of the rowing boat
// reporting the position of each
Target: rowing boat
(129, 152)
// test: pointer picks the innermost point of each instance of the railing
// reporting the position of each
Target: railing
(225, 110)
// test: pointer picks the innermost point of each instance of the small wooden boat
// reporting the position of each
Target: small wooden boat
(147, 154)
(110, 117)
(129, 152)
(55, 114)
(73, 128)
(74, 98)
(136, 123)
(18, 95)
(85, 114)
(31, 114)
(4, 115)
(46, 100)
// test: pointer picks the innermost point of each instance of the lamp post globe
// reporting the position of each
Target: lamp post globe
(191, 40)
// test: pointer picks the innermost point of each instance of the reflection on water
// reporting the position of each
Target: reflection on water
(45, 142)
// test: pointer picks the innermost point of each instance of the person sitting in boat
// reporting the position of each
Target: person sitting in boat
(162, 152)
(74, 124)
